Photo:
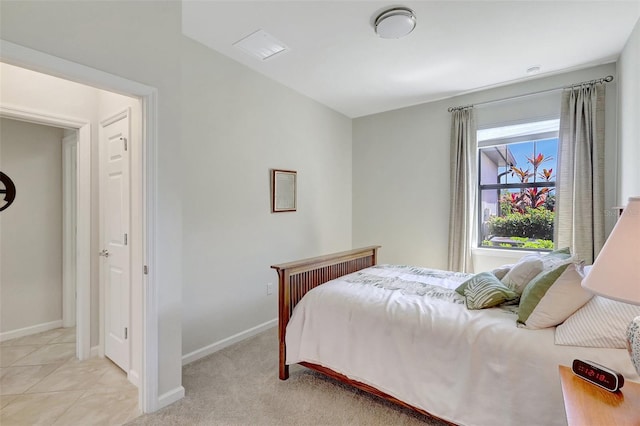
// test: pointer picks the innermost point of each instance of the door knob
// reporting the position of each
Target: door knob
(104, 253)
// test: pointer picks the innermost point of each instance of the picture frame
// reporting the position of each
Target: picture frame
(283, 191)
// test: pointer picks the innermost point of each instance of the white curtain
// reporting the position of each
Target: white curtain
(463, 189)
(579, 220)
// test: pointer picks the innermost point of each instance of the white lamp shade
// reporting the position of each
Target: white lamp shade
(616, 271)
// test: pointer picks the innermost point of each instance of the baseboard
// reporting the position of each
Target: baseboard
(215, 347)
(134, 378)
(27, 331)
(94, 352)
(170, 397)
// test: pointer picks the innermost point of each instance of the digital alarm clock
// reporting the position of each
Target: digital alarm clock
(598, 374)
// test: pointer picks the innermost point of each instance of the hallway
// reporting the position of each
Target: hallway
(41, 382)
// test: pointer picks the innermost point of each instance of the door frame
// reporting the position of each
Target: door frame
(24, 57)
(69, 219)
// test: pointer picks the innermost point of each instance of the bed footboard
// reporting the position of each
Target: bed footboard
(295, 279)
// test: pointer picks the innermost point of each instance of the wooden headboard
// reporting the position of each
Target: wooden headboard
(295, 279)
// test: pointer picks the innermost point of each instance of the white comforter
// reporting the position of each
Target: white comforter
(392, 328)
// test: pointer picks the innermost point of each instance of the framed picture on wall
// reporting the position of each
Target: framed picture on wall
(283, 191)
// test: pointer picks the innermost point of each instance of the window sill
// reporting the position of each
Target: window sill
(503, 253)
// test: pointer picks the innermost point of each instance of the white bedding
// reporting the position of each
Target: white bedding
(406, 332)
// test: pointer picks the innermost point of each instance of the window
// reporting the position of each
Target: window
(517, 167)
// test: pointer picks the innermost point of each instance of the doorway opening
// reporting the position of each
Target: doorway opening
(143, 196)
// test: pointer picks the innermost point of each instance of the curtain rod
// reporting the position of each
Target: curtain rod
(606, 79)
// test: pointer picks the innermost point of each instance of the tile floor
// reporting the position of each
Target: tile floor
(42, 383)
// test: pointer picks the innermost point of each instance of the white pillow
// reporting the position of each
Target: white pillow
(601, 323)
(550, 261)
(550, 300)
(522, 272)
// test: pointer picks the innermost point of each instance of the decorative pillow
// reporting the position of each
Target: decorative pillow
(484, 290)
(461, 287)
(555, 258)
(482, 276)
(522, 272)
(501, 271)
(601, 323)
(551, 297)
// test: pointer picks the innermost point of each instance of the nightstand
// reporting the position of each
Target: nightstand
(587, 404)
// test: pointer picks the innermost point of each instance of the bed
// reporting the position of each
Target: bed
(390, 331)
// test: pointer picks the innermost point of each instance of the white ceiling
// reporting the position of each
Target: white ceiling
(457, 46)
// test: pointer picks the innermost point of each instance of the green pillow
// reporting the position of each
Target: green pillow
(535, 291)
(564, 297)
(484, 290)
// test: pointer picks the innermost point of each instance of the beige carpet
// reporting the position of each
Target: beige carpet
(239, 386)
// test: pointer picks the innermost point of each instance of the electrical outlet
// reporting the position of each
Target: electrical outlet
(269, 288)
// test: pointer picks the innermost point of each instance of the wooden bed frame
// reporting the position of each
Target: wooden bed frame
(295, 279)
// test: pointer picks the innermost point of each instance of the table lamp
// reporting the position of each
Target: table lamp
(616, 271)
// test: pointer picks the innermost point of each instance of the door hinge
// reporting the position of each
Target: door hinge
(125, 239)
(126, 333)
(145, 270)
(125, 143)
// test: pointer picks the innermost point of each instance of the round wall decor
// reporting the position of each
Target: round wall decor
(7, 191)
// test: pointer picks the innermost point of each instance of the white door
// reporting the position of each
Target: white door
(115, 219)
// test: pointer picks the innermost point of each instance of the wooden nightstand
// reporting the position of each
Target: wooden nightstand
(587, 404)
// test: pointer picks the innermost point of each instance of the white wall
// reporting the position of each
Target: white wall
(237, 125)
(31, 228)
(138, 41)
(401, 168)
(629, 107)
(221, 128)
(36, 92)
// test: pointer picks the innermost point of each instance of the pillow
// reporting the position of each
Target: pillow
(522, 272)
(501, 271)
(552, 296)
(555, 258)
(484, 290)
(484, 276)
(601, 323)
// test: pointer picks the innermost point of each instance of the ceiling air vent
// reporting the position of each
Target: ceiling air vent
(261, 45)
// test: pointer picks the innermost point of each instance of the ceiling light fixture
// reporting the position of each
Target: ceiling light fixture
(395, 23)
